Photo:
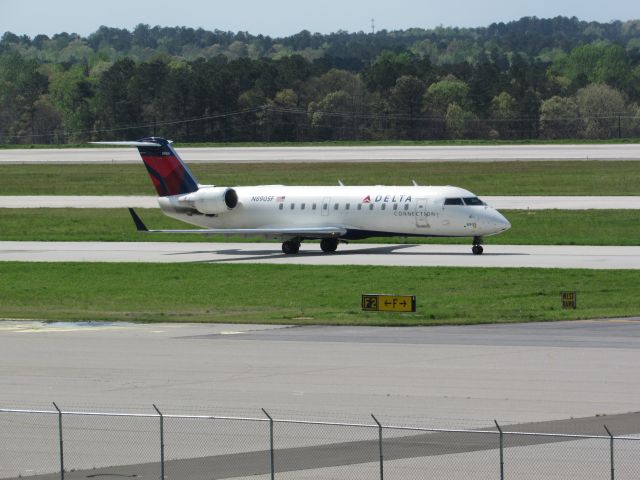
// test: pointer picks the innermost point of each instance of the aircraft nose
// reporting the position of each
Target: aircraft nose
(496, 222)
(501, 222)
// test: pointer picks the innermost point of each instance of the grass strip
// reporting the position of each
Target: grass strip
(297, 294)
(533, 227)
(497, 178)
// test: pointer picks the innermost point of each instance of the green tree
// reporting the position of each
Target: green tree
(593, 63)
(406, 101)
(560, 118)
(504, 112)
(389, 66)
(601, 108)
(253, 124)
(21, 85)
(440, 95)
(458, 121)
(286, 118)
(113, 106)
(71, 93)
(47, 121)
(330, 117)
(337, 103)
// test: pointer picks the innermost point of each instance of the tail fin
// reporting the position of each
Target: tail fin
(168, 172)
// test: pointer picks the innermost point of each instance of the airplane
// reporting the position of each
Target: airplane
(331, 214)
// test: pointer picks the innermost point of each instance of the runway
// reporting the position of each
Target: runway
(471, 153)
(512, 256)
(500, 202)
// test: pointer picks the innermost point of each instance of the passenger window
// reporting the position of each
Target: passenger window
(371, 206)
(406, 206)
(325, 206)
(281, 206)
(359, 206)
(453, 201)
(346, 207)
(383, 206)
(293, 206)
(395, 206)
(302, 205)
(335, 207)
(313, 207)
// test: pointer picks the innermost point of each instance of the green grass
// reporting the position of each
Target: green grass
(306, 294)
(497, 178)
(541, 227)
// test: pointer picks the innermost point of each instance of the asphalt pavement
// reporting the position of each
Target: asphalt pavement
(470, 153)
(536, 256)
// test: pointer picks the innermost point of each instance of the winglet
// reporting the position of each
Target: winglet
(140, 226)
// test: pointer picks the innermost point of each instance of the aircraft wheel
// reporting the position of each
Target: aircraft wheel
(477, 249)
(329, 245)
(290, 247)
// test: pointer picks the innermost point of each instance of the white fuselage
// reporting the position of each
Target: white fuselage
(363, 211)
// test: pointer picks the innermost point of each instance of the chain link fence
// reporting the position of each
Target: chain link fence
(56, 444)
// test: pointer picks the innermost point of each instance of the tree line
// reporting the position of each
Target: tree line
(529, 79)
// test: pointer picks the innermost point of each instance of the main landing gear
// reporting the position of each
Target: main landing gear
(477, 246)
(291, 246)
(328, 245)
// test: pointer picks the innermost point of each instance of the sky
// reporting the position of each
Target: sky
(286, 17)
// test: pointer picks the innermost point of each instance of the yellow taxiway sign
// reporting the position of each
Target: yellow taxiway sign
(374, 302)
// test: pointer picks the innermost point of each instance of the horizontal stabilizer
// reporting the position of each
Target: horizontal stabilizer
(140, 226)
(130, 144)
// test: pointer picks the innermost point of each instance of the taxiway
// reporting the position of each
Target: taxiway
(547, 256)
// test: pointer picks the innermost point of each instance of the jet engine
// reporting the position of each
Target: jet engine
(211, 201)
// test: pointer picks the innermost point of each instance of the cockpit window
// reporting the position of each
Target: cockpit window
(453, 201)
(473, 201)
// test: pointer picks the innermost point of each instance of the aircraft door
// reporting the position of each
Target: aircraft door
(326, 202)
(421, 213)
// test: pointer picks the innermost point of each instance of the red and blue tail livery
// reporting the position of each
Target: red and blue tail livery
(168, 172)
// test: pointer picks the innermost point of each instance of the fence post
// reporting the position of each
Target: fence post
(619, 128)
(273, 471)
(161, 442)
(501, 450)
(61, 444)
(380, 446)
(613, 471)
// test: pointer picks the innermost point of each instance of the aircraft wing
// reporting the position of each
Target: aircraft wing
(313, 232)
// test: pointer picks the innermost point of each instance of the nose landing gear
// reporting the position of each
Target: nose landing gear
(477, 246)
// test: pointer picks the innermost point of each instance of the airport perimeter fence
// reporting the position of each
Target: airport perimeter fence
(69, 445)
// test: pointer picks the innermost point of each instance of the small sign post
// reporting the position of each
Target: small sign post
(374, 302)
(569, 299)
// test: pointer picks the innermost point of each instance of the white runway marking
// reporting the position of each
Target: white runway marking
(500, 202)
(470, 153)
(600, 257)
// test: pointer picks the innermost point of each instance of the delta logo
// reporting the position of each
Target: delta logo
(367, 199)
